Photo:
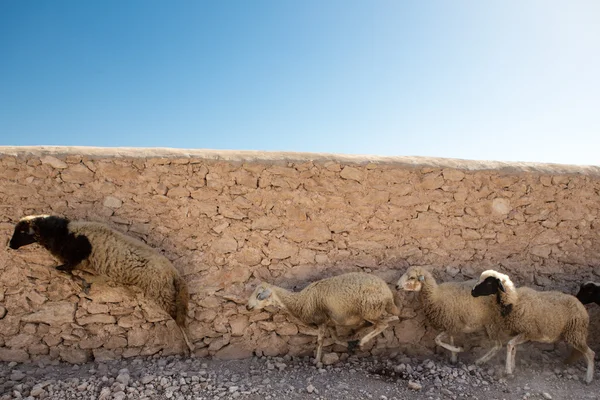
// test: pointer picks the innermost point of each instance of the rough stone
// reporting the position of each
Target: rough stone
(112, 202)
(54, 162)
(54, 313)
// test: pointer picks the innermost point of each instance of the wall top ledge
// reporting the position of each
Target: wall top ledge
(282, 157)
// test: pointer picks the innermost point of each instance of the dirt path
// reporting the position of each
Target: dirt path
(540, 375)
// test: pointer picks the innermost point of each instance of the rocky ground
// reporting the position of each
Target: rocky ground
(540, 375)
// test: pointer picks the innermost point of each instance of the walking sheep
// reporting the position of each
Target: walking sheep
(343, 300)
(96, 247)
(544, 317)
(449, 307)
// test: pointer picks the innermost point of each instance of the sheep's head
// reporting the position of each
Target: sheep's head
(413, 279)
(261, 297)
(26, 231)
(491, 282)
(589, 292)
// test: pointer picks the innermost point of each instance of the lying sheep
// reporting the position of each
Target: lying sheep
(589, 292)
(96, 247)
(544, 317)
(449, 307)
(343, 300)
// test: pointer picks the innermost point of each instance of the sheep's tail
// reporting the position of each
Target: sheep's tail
(392, 308)
(181, 308)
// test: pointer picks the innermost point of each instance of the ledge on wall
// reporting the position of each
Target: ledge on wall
(275, 157)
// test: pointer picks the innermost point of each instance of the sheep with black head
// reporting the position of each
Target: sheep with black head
(96, 247)
(531, 315)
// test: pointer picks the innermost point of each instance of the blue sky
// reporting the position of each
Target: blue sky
(501, 80)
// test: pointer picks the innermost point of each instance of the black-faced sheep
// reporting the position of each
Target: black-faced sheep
(544, 317)
(344, 300)
(589, 292)
(450, 308)
(96, 247)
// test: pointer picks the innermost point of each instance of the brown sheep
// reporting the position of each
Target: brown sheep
(344, 300)
(544, 317)
(449, 307)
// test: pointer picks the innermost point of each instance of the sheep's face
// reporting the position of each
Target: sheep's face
(488, 286)
(589, 292)
(260, 298)
(411, 281)
(24, 234)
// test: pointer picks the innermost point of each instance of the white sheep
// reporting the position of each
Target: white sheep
(449, 307)
(345, 300)
(544, 317)
(105, 251)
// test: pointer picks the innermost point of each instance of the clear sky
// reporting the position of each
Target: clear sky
(512, 80)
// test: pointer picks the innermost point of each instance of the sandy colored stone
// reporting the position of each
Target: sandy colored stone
(249, 256)
(266, 223)
(112, 202)
(54, 162)
(238, 325)
(234, 351)
(224, 245)
(352, 173)
(309, 231)
(137, 337)
(501, 206)
(75, 356)
(96, 319)
(77, 173)
(453, 175)
(279, 249)
(54, 313)
(16, 355)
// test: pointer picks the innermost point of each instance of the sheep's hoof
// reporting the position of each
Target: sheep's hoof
(352, 345)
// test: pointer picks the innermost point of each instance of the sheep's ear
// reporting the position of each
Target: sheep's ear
(421, 278)
(501, 286)
(34, 229)
(265, 294)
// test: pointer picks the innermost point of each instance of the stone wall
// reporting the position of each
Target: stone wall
(230, 219)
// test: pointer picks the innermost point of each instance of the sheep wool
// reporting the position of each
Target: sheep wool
(450, 308)
(96, 247)
(544, 317)
(344, 300)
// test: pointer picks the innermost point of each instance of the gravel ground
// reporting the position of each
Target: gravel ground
(539, 376)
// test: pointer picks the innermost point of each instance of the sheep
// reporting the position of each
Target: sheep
(531, 315)
(349, 299)
(82, 245)
(449, 307)
(589, 292)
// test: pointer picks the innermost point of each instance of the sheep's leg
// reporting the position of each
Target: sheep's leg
(185, 338)
(379, 326)
(511, 352)
(320, 337)
(589, 357)
(453, 354)
(487, 356)
(452, 348)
